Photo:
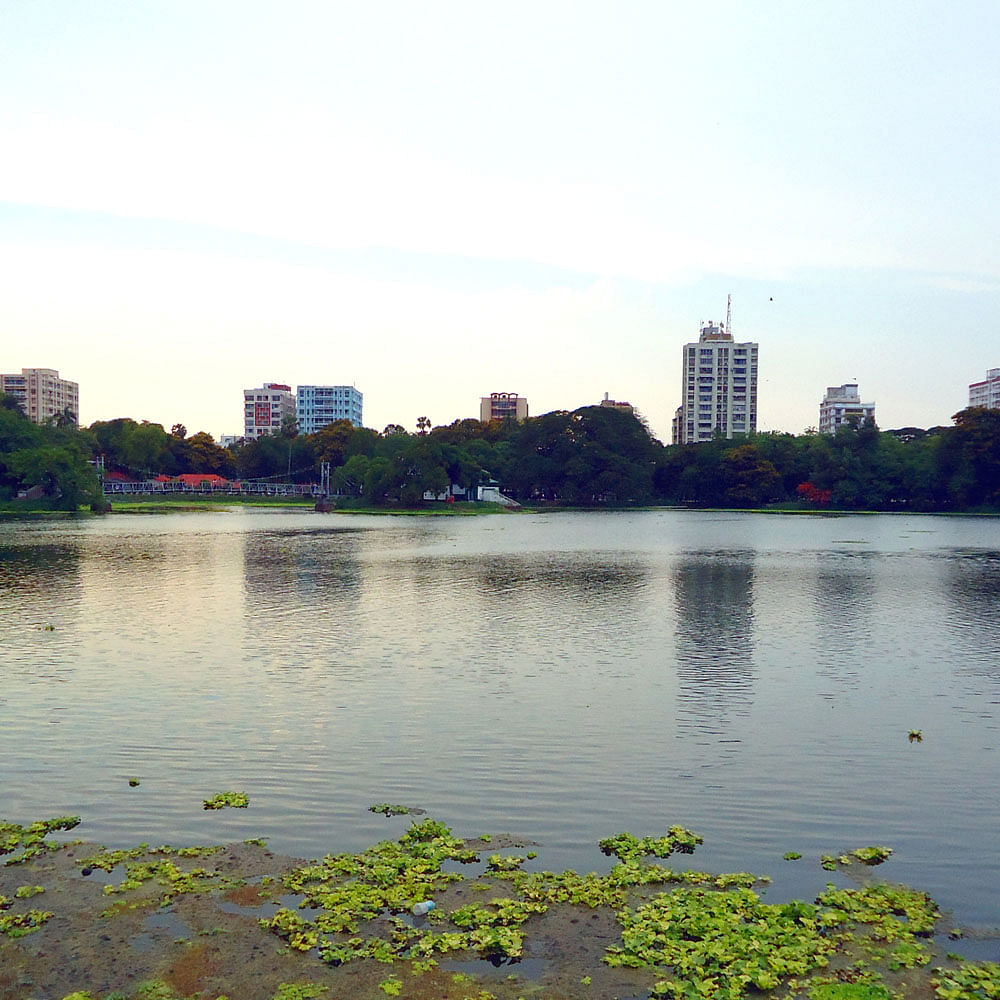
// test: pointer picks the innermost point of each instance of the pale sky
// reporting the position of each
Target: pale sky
(436, 201)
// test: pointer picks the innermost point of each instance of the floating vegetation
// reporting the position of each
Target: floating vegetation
(659, 932)
(970, 981)
(387, 809)
(26, 842)
(791, 856)
(133, 782)
(916, 736)
(871, 855)
(228, 800)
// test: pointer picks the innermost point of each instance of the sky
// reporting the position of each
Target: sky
(436, 201)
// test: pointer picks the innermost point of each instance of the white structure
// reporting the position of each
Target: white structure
(266, 409)
(43, 394)
(501, 406)
(986, 393)
(319, 405)
(719, 388)
(842, 405)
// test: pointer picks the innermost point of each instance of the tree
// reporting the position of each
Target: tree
(63, 473)
(423, 425)
(393, 430)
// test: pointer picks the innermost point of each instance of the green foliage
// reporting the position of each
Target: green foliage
(849, 991)
(231, 800)
(299, 991)
(26, 842)
(970, 981)
(389, 810)
(791, 856)
(871, 855)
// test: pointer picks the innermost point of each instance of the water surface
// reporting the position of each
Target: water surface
(562, 677)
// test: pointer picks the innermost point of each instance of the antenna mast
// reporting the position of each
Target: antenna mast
(729, 314)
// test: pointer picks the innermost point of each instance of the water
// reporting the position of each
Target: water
(561, 677)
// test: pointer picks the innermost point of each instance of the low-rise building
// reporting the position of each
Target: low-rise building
(502, 406)
(615, 404)
(265, 409)
(987, 392)
(842, 405)
(319, 405)
(42, 394)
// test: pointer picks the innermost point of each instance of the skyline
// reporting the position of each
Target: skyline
(435, 204)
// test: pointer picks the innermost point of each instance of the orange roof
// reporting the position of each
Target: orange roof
(197, 478)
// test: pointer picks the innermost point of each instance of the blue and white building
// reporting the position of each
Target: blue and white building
(319, 405)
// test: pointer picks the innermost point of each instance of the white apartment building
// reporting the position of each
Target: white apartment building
(501, 405)
(42, 393)
(266, 408)
(842, 405)
(319, 405)
(987, 392)
(719, 388)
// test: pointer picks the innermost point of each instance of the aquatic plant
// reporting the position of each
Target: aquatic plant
(231, 800)
(133, 782)
(15, 925)
(388, 809)
(791, 856)
(630, 848)
(916, 736)
(30, 841)
(871, 855)
(970, 981)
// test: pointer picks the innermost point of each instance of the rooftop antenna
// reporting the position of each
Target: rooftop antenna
(729, 314)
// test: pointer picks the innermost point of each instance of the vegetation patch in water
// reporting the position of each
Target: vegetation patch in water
(641, 928)
(228, 800)
(26, 842)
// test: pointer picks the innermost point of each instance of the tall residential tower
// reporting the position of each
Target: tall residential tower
(719, 387)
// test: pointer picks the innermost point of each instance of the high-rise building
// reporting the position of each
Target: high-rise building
(719, 388)
(43, 394)
(266, 409)
(987, 392)
(842, 405)
(319, 405)
(501, 406)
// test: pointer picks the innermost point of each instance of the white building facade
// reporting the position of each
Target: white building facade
(265, 409)
(42, 394)
(319, 405)
(987, 392)
(718, 389)
(842, 405)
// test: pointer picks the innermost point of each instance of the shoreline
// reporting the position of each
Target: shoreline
(79, 922)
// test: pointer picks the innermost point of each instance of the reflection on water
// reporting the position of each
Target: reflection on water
(843, 595)
(974, 591)
(714, 637)
(563, 678)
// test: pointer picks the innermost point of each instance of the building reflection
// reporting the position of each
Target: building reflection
(973, 589)
(41, 589)
(714, 638)
(302, 592)
(843, 597)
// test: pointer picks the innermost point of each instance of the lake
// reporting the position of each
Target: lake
(562, 677)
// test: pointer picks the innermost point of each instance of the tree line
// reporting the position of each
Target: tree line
(592, 456)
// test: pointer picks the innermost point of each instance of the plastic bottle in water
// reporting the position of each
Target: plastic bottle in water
(421, 909)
